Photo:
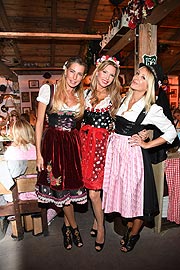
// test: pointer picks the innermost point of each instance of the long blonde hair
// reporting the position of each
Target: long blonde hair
(150, 97)
(113, 89)
(61, 93)
(23, 133)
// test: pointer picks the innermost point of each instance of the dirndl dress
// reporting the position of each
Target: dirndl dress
(61, 181)
(94, 135)
(129, 186)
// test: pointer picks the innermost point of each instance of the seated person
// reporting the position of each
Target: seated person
(16, 156)
(21, 149)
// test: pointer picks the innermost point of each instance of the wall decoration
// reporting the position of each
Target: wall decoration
(33, 100)
(33, 83)
(25, 96)
(173, 93)
(26, 110)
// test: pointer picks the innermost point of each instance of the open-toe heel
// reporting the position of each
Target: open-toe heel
(125, 238)
(93, 232)
(130, 243)
(99, 246)
(66, 230)
(76, 237)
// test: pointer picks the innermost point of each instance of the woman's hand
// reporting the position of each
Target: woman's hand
(40, 163)
(136, 140)
(144, 134)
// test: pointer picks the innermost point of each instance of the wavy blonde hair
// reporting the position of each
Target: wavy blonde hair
(113, 89)
(150, 97)
(23, 133)
(61, 92)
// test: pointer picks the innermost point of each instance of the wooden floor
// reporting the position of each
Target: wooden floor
(153, 251)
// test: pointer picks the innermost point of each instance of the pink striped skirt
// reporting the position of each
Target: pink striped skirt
(123, 185)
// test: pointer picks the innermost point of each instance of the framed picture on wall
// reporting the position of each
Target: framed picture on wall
(33, 83)
(174, 93)
(173, 105)
(26, 110)
(25, 96)
(33, 100)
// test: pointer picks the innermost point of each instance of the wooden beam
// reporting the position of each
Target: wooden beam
(88, 25)
(6, 24)
(121, 43)
(147, 41)
(53, 29)
(29, 35)
(169, 42)
(160, 12)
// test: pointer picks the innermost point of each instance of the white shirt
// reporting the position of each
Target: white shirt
(102, 104)
(155, 116)
(44, 97)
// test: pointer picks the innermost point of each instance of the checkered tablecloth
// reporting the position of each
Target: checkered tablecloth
(172, 170)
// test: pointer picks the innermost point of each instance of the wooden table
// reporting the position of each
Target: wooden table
(172, 170)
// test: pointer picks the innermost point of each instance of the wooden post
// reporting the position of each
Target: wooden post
(147, 40)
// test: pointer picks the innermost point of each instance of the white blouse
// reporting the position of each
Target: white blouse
(155, 116)
(102, 104)
(44, 97)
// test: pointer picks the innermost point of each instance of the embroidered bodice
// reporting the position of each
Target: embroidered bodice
(62, 119)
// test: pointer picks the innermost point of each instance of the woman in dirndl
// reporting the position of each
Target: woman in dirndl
(128, 186)
(102, 100)
(58, 147)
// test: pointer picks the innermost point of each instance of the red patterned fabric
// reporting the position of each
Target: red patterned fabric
(94, 141)
(172, 171)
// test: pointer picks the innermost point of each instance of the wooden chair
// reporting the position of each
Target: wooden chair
(25, 183)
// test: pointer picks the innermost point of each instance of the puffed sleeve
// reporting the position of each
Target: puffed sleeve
(44, 94)
(158, 118)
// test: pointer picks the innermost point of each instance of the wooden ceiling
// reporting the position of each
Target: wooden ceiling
(40, 35)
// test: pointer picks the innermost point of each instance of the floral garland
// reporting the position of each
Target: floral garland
(138, 10)
(107, 58)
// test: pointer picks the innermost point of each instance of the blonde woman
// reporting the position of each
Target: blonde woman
(23, 145)
(102, 101)
(129, 186)
(16, 155)
(58, 148)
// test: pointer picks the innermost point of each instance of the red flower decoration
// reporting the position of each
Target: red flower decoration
(150, 4)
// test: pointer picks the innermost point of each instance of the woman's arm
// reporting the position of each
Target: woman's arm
(137, 140)
(38, 134)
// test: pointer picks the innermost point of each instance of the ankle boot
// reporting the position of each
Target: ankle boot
(66, 230)
(76, 237)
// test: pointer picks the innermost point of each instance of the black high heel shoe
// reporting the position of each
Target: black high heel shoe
(130, 243)
(99, 246)
(66, 230)
(93, 232)
(125, 238)
(76, 237)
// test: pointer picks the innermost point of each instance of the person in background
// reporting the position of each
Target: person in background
(47, 78)
(58, 149)
(33, 117)
(176, 115)
(16, 155)
(25, 116)
(3, 122)
(129, 186)
(13, 116)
